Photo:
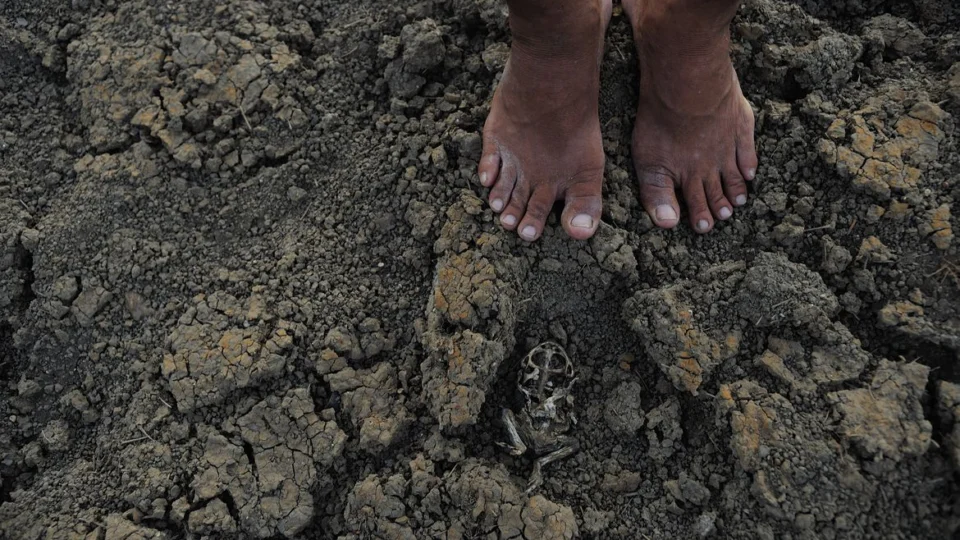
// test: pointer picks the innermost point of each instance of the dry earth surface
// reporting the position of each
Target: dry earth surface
(249, 286)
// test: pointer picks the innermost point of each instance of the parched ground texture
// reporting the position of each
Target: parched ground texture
(249, 286)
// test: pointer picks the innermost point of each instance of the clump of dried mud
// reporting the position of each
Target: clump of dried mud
(249, 286)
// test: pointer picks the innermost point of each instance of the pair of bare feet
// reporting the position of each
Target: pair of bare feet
(693, 133)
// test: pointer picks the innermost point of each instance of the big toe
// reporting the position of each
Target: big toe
(658, 196)
(582, 209)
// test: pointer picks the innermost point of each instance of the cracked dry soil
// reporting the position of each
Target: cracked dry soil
(249, 287)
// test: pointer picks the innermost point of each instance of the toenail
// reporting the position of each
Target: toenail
(702, 225)
(497, 205)
(582, 221)
(751, 174)
(509, 221)
(725, 213)
(483, 179)
(666, 213)
(528, 232)
(741, 200)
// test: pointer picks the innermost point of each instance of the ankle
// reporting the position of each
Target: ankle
(556, 28)
(686, 29)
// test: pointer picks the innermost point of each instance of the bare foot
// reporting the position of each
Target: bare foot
(541, 140)
(694, 129)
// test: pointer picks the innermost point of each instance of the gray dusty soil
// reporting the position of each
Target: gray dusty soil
(249, 286)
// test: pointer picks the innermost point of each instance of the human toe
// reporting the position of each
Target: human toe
(658, 196)
(535, 218)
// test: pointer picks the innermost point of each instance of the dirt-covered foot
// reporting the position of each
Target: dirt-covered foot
(694, 129)
(541, 140)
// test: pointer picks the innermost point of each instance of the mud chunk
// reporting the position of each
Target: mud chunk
(342, 340)
(495, 56)
(76, 400)
(885, 420)
(291, 448)
(194, 50)
(826, 63)
(30, 239)
(953, 83)
(664, 431)
(389, 47)
(369, 397)
(543, 518)
(872, 250)
(687, 490)
(420, 216)
(612, 250)
(490, 493)
(91, 300)
(596, 521)
(372, 511)
(423, 47)
(28, 388)
(836, 258)
(909, 317)
(465, 289)
(212, 518)
(13, 273)
(893, 36)
(66, 288)
(402, 84)
(113, 81)
(938, 228)
(55, 436)
(472, 500)
(777, 291)
(423, 50)
(948, 406)
(623, 411)
(120, 528)
(765, 428)
(203, 365)
(457, 374)
(882, 157)
(706, 525)
(685, 341)
(440, 448)
(789, 231)
(470, 317)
